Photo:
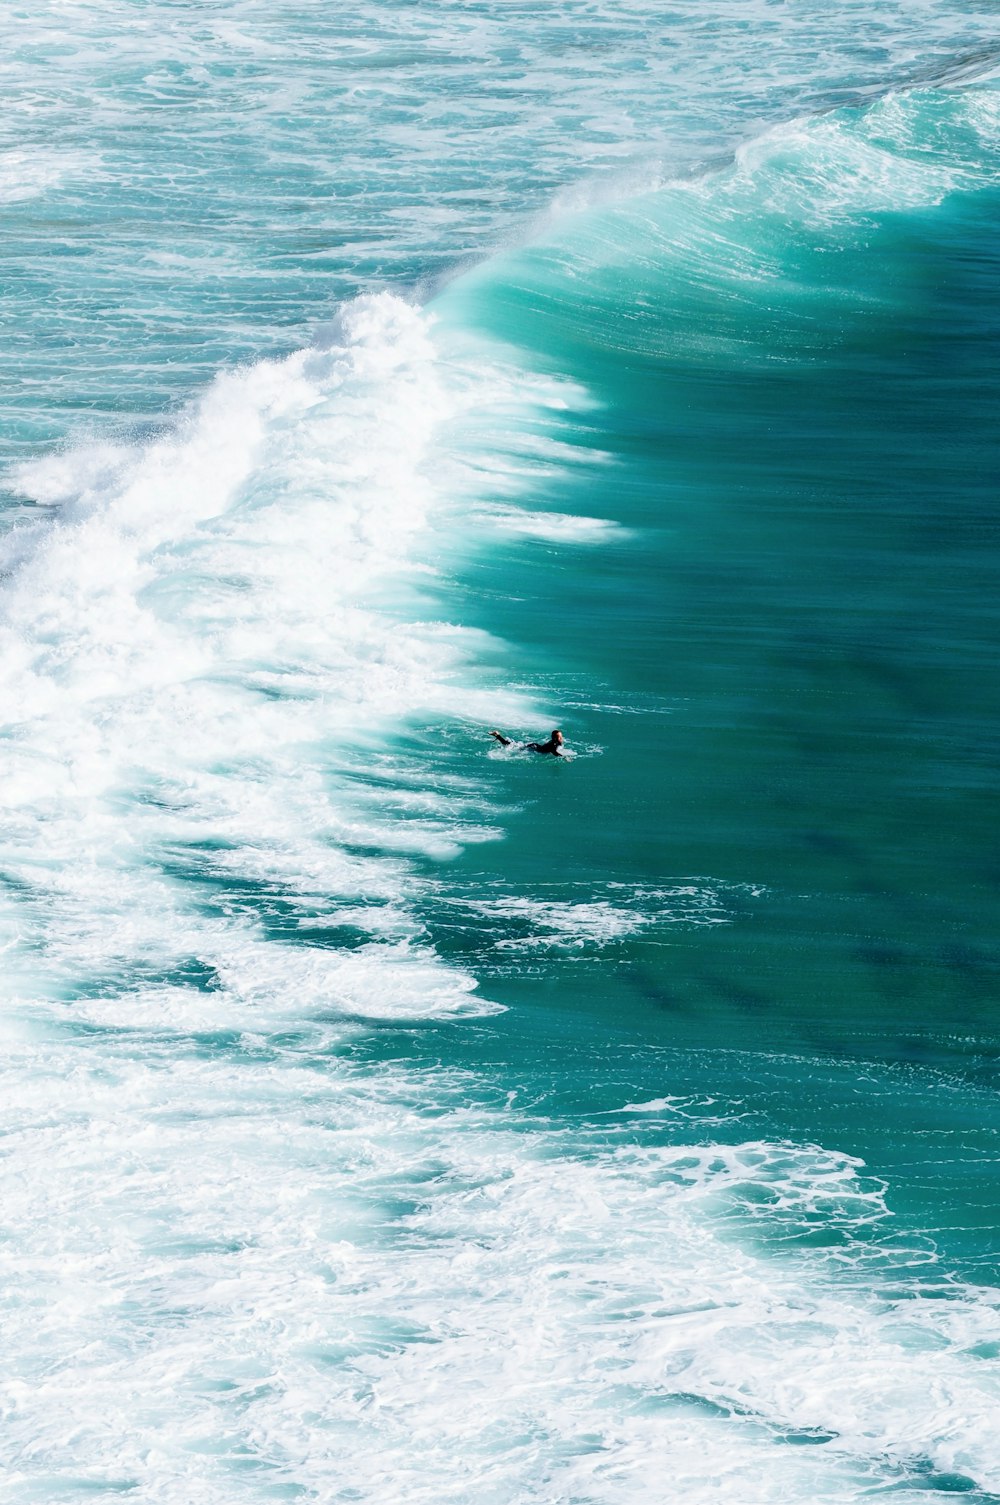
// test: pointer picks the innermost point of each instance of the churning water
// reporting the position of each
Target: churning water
(386, 1116)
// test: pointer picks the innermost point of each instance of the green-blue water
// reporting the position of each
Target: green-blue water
(387, 1116)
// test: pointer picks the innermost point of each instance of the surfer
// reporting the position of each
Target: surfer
(554, 746)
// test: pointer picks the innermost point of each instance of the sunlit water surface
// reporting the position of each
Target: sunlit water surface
(387, 1116)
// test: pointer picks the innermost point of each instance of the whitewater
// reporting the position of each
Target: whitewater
(385, 1117)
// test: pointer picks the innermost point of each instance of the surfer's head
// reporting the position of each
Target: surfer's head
(557, 738)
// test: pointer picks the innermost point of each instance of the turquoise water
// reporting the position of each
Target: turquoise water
(387, 1116)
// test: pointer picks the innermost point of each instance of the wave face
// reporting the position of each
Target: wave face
(385, 1115)
(183, 190)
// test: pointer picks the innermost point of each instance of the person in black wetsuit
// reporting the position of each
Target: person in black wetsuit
(554, 746)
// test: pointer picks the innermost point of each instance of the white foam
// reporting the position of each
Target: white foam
(823, 171)
(582, 925)
(31, 171)
(654, 1105)
(243, 1265)
(235, 1266)
(236, 1257)
(561, 924)
(217, 625)
(555, 527)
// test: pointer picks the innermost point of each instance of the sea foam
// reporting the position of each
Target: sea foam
(209, 636)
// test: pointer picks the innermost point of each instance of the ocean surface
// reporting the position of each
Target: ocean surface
(386, 1116)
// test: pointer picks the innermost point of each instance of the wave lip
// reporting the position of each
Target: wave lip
(724, 262)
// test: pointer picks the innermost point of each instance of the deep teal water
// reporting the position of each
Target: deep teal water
(386, 1116)
(794, 638)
